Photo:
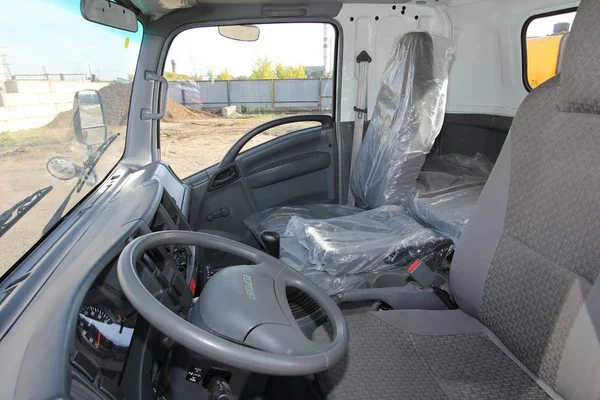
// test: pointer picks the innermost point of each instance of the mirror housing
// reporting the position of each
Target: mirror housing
(89, 124)
(62, 168)
(242, 33)
(110, 14)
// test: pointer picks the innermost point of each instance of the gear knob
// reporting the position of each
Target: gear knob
(271, 243)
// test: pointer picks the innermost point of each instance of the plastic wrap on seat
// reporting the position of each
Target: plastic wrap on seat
(446, 213)
(450, 172)
(407, 118)
(295, 255)
(276, 219)
(369, 241)
(447, 190)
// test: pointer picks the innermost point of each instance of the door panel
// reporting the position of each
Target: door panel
(297, 168)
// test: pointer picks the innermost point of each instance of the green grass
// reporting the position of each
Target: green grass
(32, 137)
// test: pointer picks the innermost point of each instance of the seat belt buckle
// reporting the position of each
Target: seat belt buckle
(422, 274)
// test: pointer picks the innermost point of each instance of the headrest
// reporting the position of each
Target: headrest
(580, 75)
(415, 49)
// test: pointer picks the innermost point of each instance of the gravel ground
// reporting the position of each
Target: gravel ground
(188, 145)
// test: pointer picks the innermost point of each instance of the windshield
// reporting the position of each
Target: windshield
(54, 66)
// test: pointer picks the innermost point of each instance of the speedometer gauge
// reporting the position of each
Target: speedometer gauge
(102, 332)
(90, 322)
(95, 313)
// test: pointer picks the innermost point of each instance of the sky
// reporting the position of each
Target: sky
(51, 35)
(38, 36)
(544, 26)
(200, 49)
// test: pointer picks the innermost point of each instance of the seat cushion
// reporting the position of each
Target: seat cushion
(417, 354)
(276, 219)
(381, 239)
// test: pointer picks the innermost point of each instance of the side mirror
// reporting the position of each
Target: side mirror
(88, 118)
(62, 168)
(243, 33)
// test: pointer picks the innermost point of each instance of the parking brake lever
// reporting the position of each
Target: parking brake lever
(271, 241)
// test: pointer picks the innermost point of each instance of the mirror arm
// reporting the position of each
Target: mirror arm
(164, 86)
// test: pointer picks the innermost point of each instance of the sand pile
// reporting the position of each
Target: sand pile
(179, 112)
(115, 102)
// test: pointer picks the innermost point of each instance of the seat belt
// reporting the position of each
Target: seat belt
(363, 60)
(422, 274)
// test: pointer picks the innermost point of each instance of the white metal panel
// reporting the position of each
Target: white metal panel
(377, 36)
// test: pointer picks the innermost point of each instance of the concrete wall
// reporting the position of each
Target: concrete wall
(33, 104)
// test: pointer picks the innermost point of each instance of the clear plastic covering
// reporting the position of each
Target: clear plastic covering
(369, 241)
(296, 256)
(406, 120)
(452, 171)
(448, 189)
(447, 213)
(276, 219)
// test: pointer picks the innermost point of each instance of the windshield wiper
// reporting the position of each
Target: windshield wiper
(11, 216)
(89, 166)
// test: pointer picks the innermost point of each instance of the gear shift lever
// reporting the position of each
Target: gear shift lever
(271, 242)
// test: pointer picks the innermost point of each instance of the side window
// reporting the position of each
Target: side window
(545, 39)
(220, 88)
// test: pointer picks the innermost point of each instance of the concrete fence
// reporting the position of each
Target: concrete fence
(271, 94)
(29, 104)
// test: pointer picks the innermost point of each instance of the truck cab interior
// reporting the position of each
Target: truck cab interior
(426, 227)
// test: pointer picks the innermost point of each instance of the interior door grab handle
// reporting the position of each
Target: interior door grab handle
(223, 212)
(325, 120)
(224, 176)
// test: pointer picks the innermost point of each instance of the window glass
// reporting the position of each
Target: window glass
(48, 53)
(546, 38)
(221, 88)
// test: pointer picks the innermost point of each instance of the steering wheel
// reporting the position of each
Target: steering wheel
(242, 317)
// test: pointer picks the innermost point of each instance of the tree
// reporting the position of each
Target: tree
(224, 76)
(172, 76)
(290, 72)
(211, 74)
(263, 69)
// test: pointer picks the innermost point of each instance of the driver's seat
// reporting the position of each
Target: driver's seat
(525, 272)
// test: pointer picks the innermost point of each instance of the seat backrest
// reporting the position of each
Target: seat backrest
(527, 263)
(407, 118)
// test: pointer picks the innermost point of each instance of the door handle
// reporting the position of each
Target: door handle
(225, 177)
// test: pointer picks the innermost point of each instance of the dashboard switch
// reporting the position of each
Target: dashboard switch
(85, 365)
(109, 388)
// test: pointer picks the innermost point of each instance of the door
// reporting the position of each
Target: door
(250, 122)
(298, 168)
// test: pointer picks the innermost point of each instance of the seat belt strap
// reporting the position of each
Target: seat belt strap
(424, 276)
(363, 60)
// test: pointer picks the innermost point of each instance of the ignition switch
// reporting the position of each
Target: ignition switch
(218, 389)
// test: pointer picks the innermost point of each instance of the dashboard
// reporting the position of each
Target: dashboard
(106, 321)
(74, 334)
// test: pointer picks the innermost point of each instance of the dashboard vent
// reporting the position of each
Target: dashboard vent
(300, 303)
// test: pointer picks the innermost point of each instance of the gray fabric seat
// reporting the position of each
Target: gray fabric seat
(525, 271)
(406, 120)
(418, 354)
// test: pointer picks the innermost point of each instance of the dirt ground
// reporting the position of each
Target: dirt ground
(188, 146)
